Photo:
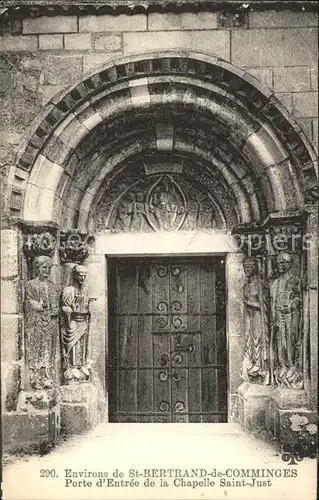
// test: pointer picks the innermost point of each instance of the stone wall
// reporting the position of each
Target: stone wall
(42, 56)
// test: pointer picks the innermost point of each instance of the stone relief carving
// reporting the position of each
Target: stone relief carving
(161, 202)
(75, 326)
(74, 246)
(41, 325)
(256, 366)
(286, 324)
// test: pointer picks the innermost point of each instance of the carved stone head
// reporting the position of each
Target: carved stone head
(42, 266)
(250, 267)
(284, 262)
(79, 274)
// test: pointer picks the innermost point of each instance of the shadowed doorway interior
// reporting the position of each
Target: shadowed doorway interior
(167, 357)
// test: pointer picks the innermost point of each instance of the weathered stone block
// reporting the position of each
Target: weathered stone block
(292, 79)
(107, 22)
(236, 348)
(286, 99)
(18, 43)
(265, 75)
(264, 47)
(108, 42)
(305, 47)
(11, 27)
(78, 41)
(10, 332)
(38, 429)
(59, 70)
(182, 21)
(91, 61)
(9, 253)
(216, 42)
(253, 405)
(78, 408)
(282, 19)
(305, 104)
(314, 78)
(10, 385)
(55, 24)
(9, 297)
(306, 125)
(315, 133)
(38, 203)
(233, 408)
(285, 407)
(50, 42)
(45, 174)
(49, 91)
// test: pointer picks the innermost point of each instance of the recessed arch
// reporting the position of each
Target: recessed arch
(233, 111)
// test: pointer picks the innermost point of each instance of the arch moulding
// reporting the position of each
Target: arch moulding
(172, 118)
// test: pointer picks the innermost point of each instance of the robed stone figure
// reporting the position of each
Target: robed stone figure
(256, 366)
(286, 318)
(75, 323)
(41, 325)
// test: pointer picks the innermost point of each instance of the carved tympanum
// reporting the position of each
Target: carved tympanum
(256, 362)
(41, 325)
(286, 319)
(164, 202)
(75, 325)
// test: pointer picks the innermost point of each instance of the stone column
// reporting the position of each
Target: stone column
(77, 391)
(38, 419)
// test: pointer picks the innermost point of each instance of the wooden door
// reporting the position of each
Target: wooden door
(167, 345)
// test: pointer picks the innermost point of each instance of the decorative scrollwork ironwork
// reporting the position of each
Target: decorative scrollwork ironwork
(176, 306)
(162, 306)
(164, 406)
(162, 321)
(177, 323)
(164, 359)
(176, 270)
(179, 406)
(163, 375)
(177, 358)
(162, 271)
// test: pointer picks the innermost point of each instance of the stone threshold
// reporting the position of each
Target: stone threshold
(172, 428)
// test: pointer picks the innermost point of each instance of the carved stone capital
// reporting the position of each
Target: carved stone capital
(278, 233)
(285, 233)
(74, 246)
(251, 240)
(39, 239)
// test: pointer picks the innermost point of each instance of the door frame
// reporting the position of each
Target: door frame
(168, 244)
(134, 262)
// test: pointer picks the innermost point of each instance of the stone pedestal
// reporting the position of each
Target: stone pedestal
(36, 423)
(289, 418)
(78, 407)
(253, 400)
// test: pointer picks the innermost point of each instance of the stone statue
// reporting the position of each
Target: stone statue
(287, 341)
(41, 325)
(75, 323)
(256, 360)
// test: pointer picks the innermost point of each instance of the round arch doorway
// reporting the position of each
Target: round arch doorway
(154, 125)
